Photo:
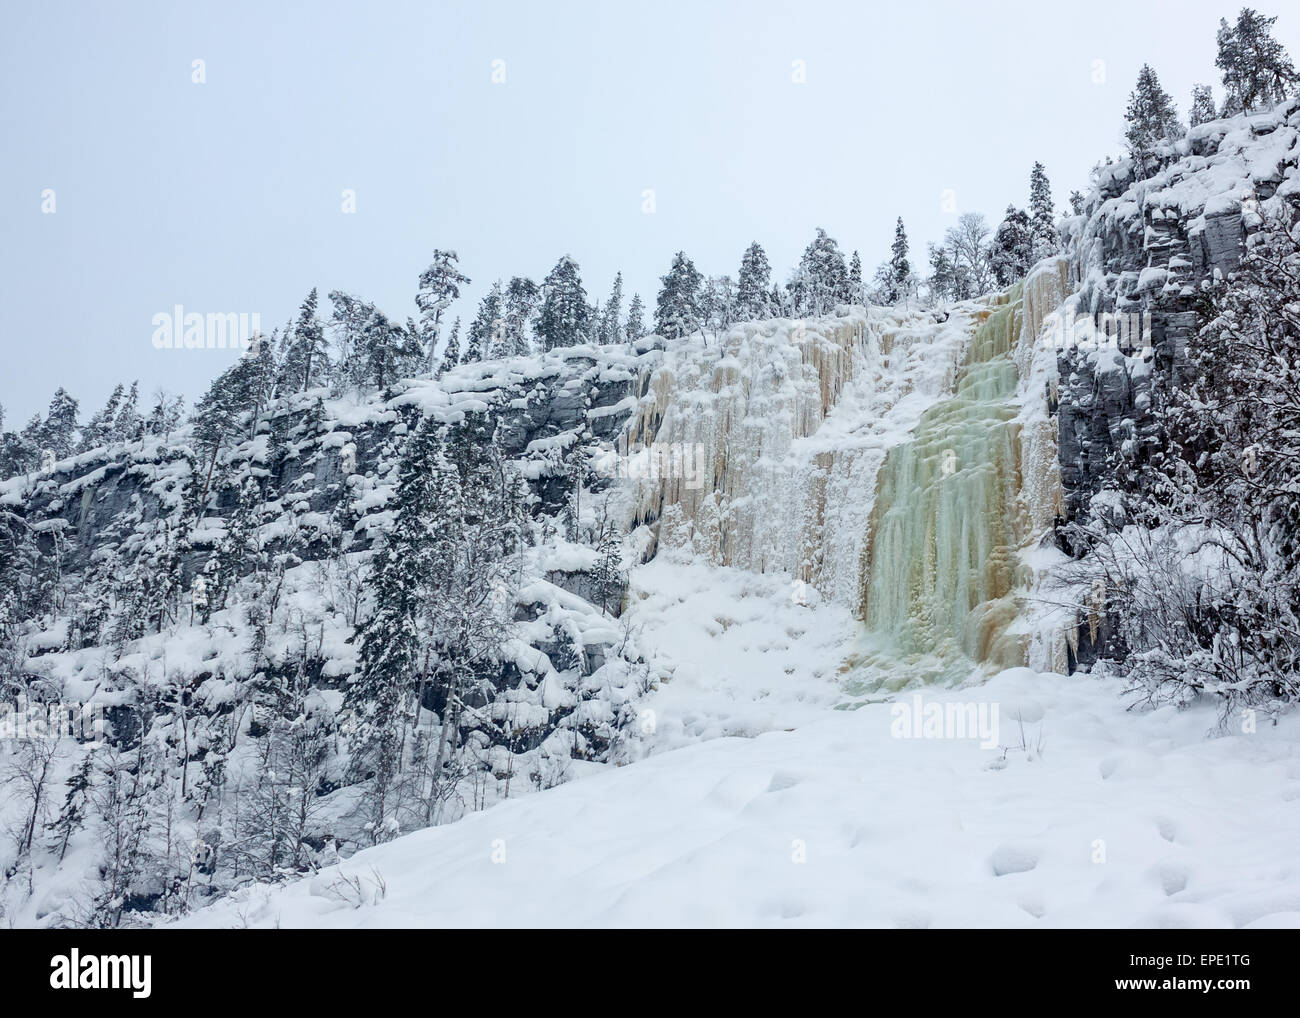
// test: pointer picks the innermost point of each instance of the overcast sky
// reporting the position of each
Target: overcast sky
(226, 196)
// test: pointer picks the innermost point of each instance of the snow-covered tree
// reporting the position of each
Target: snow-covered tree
(752, 282)
(563, 319)
(611, 330)
(1202, 109)
(1012, 248)
(963, 267)
(822, 278)
(440, 286)
(1042, 214)
(1151, 117)
(487, 333)
(451, 356)
(381, 696)
(1196, 552)
(376, 350)
(521, 298)
(718, 303)
(677, 311)
(900, 269)
(1257, 72)
(305, 359)
(59, 432)
(635, 327)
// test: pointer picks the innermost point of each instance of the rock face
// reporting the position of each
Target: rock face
(1137, 259)
(333, 469)
(326, 469)
(1142, 248)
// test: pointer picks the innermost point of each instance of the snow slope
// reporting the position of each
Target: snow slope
(1085, 814)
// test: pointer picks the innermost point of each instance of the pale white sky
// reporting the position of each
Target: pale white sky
(226, 196)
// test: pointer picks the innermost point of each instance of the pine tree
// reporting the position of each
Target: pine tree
(563, 320)
(1202, 111)
(635, 327)
(1152, 118)
(1257, 72)
(520, 305)
(677, 310)
(1076, 203)
(440, 285)
(855, 279)
(752, 298)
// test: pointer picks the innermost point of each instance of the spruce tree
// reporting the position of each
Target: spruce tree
(520, 305)
(1042, 214)
(610, 328)
(100, 428)
(76, 801)
(822, 279)
(128, 426)
(1152, 118)
(635, 327)
(900, 269)
(563, 320)
(677, 310)
(59, 432)
(752, 297)
(380, 695)
(451, 356)
(487, 331)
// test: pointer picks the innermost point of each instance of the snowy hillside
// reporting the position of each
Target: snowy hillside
(971, 600)
(778, 811)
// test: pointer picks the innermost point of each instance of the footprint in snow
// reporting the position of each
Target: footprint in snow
(1013, 859)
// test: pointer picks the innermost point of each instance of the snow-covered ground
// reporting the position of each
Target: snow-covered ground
(757, 803)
